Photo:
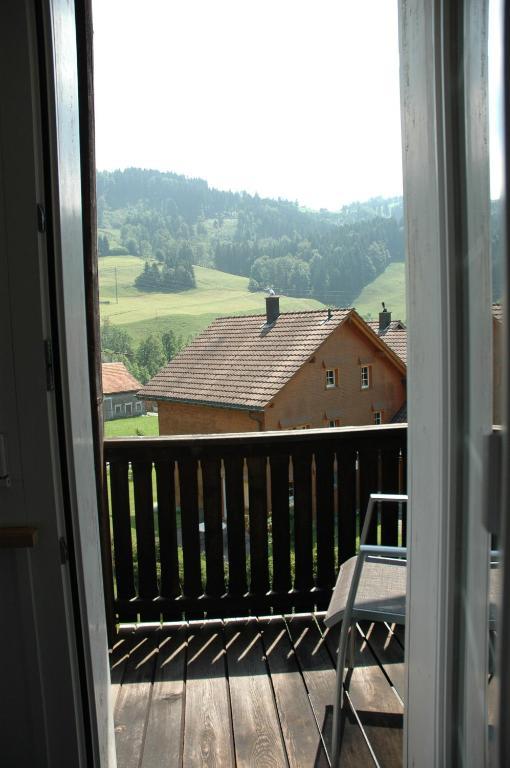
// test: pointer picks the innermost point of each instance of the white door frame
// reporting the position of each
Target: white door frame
(446, 194)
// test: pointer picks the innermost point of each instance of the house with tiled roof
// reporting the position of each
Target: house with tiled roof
(322, 368)
(119, 392)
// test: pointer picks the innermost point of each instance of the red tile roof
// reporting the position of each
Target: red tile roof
(241, 362)
(116, 378)
(395, 336)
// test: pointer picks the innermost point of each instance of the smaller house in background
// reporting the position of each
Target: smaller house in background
(119, 392)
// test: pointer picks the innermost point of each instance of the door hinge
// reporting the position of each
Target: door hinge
(64, 551)
(492, 481)
(50, 370)
(5, 480)
(41, 218)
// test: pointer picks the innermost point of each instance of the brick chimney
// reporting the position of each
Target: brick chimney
(384, 318)
(272, 308)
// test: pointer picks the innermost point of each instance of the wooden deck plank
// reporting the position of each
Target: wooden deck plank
(207, 724)
(252, 692)
(257, 736)
(320, 677)
(378, 709)
(119, 656)
(133, 702)
(388, 651)
(163, 743)
(300, 732)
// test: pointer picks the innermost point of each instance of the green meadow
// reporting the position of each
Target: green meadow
(141, 426)
(188, 312)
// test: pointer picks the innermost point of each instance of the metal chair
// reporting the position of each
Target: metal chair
(370, 586)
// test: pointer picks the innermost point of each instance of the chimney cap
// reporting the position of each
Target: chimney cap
(384, 318)
(272, 308)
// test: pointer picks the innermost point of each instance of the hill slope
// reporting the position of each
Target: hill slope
(187, 312)
(389, 287)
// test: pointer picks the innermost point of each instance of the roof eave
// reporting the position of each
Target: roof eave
(383, 346)
(211, 403)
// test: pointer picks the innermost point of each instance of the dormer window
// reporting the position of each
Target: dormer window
(331, 378)
(365, 376)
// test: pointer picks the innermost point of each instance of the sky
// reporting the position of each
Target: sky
(287, 98)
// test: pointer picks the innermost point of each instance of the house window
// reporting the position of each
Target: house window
(129, 409)
(334, 423)
(138, 407)
(378, 417)
(331, 378)
(365, 376)
(118, 410)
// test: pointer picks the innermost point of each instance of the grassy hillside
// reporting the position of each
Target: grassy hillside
(217, 293)
(388, 287)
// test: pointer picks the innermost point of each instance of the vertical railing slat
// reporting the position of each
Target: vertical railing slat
(369, 483)
(303, 537)
(107, 556)
(236, 534)
(259, 563)
(121, 523)
(145, 535)
(280, 522)
(346, 458)
(324, 461)
(188, 482)
(389, 511)
(167, 523)
(211, 475)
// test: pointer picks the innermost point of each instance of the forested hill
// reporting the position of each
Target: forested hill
(327, 255)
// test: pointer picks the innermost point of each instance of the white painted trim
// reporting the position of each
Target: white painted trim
(440, 240)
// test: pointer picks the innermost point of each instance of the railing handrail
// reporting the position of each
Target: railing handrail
(256, 439)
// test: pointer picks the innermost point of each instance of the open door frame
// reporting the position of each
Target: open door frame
(444, 81)
(85, 61)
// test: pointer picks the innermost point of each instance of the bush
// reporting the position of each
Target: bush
(118, 250)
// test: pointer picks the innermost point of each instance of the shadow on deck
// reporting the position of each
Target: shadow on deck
(254, 692)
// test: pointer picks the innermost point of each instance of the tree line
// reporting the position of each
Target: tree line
(329, 255)
(144, 360)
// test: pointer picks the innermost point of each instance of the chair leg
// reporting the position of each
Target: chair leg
(338, 702)
(351, 650)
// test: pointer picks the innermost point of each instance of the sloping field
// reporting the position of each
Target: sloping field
(389, 287)
(217, 293)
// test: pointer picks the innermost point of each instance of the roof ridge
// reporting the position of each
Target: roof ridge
(295, 312)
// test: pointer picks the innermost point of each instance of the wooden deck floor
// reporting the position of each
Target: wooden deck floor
(255, 692)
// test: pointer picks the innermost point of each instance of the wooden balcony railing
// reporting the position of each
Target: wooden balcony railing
(228, 525)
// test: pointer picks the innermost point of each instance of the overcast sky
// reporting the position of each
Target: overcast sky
(290, 98)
